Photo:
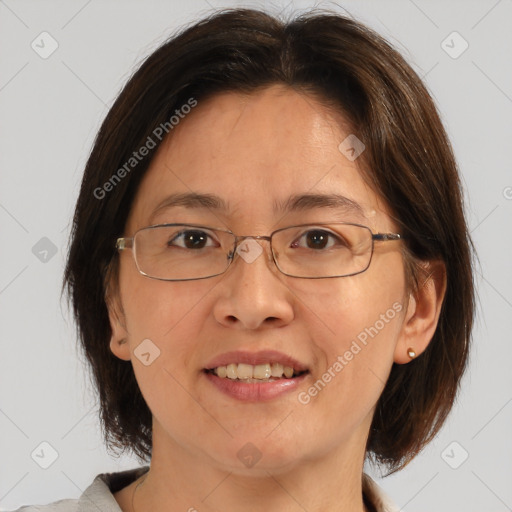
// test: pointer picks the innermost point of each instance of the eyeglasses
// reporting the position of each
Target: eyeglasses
(182, 252)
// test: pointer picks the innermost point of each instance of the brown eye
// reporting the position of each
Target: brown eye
(319, 239)
(190, 239)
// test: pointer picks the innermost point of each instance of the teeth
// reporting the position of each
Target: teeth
(244, 371)
(249, 372)
(277, 370)
(288, 372)
(262, 371)
(231, 371)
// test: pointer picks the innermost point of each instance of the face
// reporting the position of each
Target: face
(254, 152)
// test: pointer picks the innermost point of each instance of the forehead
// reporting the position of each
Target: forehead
(254, 152)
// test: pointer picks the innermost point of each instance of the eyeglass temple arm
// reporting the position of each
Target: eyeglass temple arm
(383, 237)
(124, 243)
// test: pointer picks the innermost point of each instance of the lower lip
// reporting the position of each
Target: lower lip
(255, 392)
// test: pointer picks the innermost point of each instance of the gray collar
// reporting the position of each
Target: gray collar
(99, 496)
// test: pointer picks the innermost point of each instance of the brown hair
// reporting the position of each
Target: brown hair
(408, 159)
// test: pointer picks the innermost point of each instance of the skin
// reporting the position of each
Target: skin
(253, 150)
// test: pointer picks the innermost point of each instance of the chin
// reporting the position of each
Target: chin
(258, 455)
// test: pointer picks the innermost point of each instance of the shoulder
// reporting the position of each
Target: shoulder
(57, 506)
(377, 497)
(98, 496)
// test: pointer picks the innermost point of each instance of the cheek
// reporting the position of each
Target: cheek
(156, 309)
(164, 320)
(355, 307)
(357, 321)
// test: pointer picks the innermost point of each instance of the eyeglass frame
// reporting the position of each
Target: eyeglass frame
(123, 243)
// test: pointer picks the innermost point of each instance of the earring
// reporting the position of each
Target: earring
(411, 353)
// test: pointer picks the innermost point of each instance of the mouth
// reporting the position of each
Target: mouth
(259, 376)
(251, 374)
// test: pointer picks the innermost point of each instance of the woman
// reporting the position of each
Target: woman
(270, 269)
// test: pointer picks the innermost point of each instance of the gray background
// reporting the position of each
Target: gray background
(50, 110)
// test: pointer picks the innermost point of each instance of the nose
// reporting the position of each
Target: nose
(253, 293)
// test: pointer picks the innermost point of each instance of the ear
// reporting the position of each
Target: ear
(119, 340)
(422, 313)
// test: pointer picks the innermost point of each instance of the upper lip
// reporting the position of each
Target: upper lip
(254, 358)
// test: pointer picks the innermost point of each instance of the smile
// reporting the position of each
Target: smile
(267, 372)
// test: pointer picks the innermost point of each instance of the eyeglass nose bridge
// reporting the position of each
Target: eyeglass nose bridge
(241, 238)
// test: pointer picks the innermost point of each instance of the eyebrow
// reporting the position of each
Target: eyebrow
(302, 202)
(295, 203)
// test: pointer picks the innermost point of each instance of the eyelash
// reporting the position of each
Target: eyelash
(323, 232)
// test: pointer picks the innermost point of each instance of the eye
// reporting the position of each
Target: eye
(319, 239)
(191, 239)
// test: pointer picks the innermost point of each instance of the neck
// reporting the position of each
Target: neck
(179, 480)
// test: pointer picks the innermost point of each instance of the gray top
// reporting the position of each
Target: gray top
(99, 496)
